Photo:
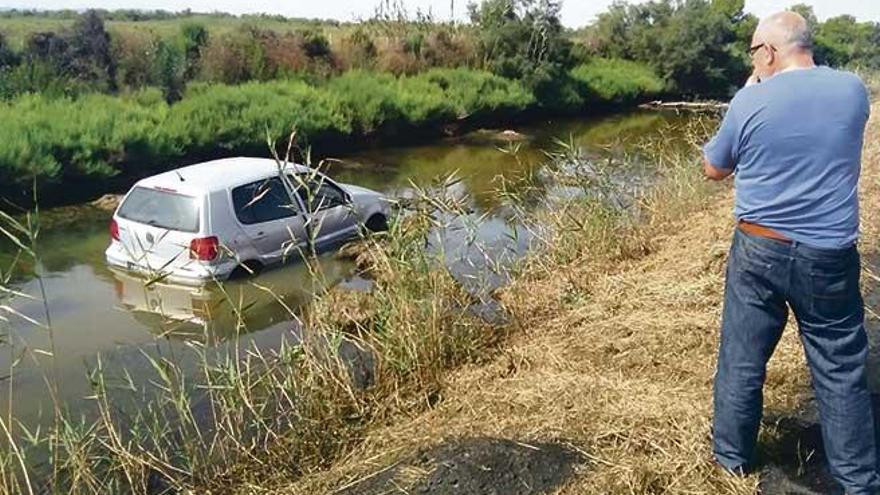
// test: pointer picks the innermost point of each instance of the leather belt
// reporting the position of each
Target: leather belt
(761, 231)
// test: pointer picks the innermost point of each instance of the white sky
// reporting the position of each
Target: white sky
(575, 13)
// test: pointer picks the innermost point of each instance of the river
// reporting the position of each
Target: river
(99, 315)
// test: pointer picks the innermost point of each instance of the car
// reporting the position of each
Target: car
(235, 216)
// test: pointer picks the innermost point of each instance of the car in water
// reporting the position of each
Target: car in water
(235, 216)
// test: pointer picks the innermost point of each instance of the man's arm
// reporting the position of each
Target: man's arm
(721, 153)
(714, 173)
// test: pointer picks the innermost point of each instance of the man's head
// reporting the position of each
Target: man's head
(781, 41)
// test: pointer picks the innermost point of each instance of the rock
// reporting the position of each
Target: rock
(107, 202)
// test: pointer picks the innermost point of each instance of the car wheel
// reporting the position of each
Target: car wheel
(377, 223)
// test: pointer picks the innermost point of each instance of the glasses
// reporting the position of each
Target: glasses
(754, 49)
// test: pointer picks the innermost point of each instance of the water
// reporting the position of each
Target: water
(96, 312)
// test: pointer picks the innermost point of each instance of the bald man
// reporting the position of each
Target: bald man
(793, 140)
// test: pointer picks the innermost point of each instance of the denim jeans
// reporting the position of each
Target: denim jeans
(821, 286)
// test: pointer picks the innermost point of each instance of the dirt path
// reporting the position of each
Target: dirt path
(606, 387)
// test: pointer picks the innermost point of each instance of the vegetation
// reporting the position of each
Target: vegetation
(57, 140)
(410, 329)
(700, 47)
(616, 81)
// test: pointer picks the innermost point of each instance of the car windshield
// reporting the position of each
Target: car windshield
(163, 209)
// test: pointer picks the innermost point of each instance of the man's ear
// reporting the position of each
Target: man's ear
(770, 54)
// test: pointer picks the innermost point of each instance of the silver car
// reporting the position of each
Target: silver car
(231, 217)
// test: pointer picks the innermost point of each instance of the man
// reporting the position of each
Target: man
(793, 138)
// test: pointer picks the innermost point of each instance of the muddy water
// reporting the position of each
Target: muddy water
(107, 318)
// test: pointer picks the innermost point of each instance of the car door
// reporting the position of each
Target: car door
(271, 218)
(333, 218)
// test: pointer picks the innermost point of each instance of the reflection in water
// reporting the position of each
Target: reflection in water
(213, 313)
(99, 312)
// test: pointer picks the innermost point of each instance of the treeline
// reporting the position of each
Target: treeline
(516, 39)
(137, 15)
(701, 47)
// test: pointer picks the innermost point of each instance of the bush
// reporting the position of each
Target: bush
(233, 58)
(479, 93)
(237, 117)
(614, 81)
(57, 140)
(356, 50)
(93, 136)
(370, 100)
(135, 53)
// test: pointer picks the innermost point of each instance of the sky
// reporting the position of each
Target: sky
(575, 13)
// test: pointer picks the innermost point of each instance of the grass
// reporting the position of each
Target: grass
(610, 347)
(614, 350)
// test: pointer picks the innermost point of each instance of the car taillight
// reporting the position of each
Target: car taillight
(114, 230)
(204, 248)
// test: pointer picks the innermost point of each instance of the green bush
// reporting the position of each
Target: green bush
(89, 137)
(237, 117)
(614, 81)
(369, 100)
(479, 93)
(94, 136)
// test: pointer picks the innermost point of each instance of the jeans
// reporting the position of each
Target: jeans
(821, 286)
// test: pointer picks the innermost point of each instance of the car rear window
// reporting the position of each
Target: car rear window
(163, 209)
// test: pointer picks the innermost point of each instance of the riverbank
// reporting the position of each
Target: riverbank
(613, 358)
(79, 148)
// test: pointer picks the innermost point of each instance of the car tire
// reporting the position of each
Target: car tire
(377, 223)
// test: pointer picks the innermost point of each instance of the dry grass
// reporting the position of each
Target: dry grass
(615, 353)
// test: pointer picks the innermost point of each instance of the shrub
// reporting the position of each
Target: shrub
(356, 50)
(237, 117)
(135, 53)
(194, 37)
(233, 58)
(616, 81)
(393, 57)
(370, 100)
(444, 48)
(64, 138)
(284, 53)
(7, 56)
(90, 52)
(478, 92)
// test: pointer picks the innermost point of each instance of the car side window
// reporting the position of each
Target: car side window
(262, 201)
(317, 192)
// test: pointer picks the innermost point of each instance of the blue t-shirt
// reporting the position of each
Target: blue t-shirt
(794, 142)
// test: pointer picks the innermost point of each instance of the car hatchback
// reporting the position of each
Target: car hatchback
(234, 216)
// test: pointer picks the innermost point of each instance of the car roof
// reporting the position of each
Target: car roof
(217, 175)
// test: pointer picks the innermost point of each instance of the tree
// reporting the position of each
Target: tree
(7, 56)
(90, 52)
(843, 41)
(524, 39)
(169, 68)
(195, 37)
(698, 46)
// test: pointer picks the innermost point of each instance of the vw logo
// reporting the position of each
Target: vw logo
(150, 238)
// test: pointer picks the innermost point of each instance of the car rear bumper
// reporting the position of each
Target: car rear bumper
(191, 273)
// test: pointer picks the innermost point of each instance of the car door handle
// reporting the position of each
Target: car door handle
(260, 235)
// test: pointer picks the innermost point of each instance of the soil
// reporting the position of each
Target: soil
(476, 466)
